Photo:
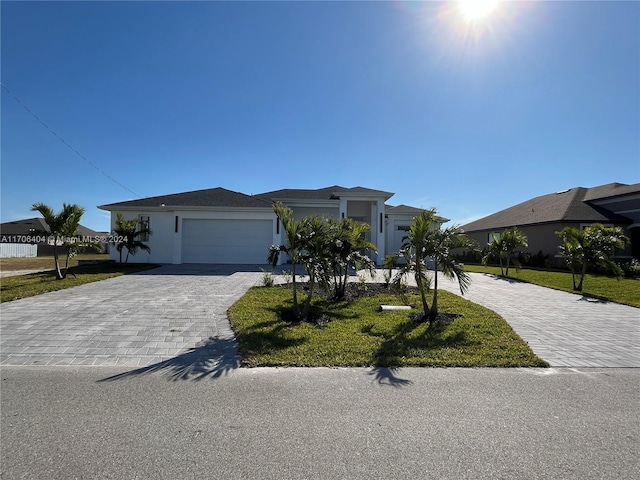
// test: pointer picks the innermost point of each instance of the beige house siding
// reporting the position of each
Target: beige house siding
(540, 238)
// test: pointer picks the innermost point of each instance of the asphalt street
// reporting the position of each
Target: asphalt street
(294, 423)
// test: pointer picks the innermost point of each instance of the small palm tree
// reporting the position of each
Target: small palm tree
(128, 233)
(593, 246)
(511, 239)
(347, 250)
(63, 228)
(503, 247)
(294, 246)
(423, 242)
(494, 250)
(442, 242)
(414, 251)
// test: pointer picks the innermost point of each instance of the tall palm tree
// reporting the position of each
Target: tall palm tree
(63, 228)
(127, 232)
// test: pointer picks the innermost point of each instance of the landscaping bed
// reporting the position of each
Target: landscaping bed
(354, 332)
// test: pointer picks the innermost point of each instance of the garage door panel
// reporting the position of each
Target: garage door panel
(226, 241)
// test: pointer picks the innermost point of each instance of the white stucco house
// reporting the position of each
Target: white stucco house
(222, 226)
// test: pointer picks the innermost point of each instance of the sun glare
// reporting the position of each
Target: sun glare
(474, 10)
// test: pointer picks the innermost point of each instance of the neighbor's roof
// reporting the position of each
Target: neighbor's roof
(212, 197)
(611, 190)
(570, 205)
(31, 226)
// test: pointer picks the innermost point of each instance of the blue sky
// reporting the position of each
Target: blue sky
(407, 97)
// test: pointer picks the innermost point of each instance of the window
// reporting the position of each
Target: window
(403, 228)
(144, 228)
(490, 236)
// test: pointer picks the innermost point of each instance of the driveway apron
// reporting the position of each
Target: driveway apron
(133, 320)
(565, 329)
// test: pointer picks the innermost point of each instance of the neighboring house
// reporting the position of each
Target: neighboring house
(222, 226)
(30, 231)
(614, 204)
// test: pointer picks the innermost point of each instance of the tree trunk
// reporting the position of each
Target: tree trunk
(307, 302)
(296, 312)
(433, 314)
(582, 274)
(59, 275)
(423, 294)
(507, 271)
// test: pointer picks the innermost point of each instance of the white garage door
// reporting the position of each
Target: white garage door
(226, 241)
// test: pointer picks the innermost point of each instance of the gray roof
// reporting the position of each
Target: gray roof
(212, 197)
(327, 193)
(408, 210)
(610, 190)
(570, 205)
(31, 226)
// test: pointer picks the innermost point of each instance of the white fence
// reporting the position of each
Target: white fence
(8, 250)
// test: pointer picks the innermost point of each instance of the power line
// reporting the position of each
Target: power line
(66, 143)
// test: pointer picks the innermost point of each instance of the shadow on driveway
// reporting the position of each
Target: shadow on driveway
(214, 358)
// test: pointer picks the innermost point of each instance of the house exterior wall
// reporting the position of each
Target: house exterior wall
(301, 212)
(540, 238)
(166, 243)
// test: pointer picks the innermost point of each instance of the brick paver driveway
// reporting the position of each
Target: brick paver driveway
(174, 311)
(174, 318)
(565, 329)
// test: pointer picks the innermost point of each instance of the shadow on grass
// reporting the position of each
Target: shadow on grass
(266, 337)
(401, 343)
(213, 358)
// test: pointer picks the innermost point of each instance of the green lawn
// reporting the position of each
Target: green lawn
(14, 288)
(359, 335)
(37, 263)
(625, 290)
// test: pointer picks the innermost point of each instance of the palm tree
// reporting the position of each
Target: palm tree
(347, 250)
(511, 239)
(425, 242)
(63, 228)
(503, 247)
(127, 232)
(294, 246)
(593, 246)
(494, 250)
(414, 251)
(441, 243)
